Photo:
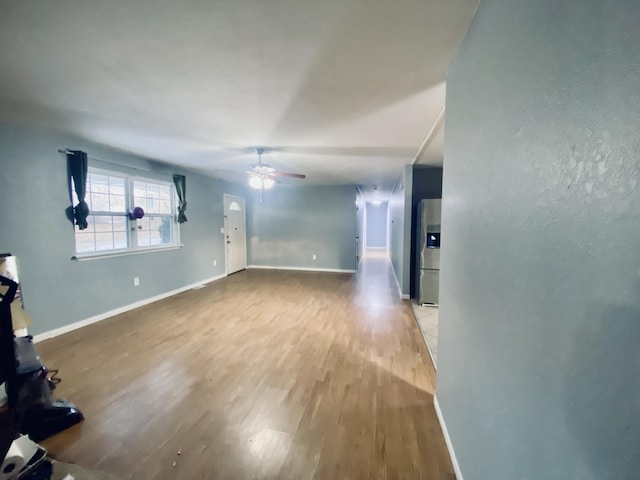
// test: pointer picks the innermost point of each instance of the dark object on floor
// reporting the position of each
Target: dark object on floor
(42, 473)
(41, 416)
(21, 458)
(38, 468)
(58, 416)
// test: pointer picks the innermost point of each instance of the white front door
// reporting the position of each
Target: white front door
(235, 233)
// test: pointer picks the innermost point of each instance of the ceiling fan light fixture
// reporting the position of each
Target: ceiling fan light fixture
(260, 182)
(255, 182)
(268, 183)
(264, 177)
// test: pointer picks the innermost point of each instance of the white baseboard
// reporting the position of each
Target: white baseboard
(433, 360)
(424, 337)
(302, 269)
(395, 275)
(447, 439)
(111, 313)
(406, 297)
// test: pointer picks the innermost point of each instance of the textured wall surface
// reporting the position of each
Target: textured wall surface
(427, 183)
(294, 223)
(396, 227)
(33, 226)
(406, 231)
(400, 229)
(540, 272)
(360, 206)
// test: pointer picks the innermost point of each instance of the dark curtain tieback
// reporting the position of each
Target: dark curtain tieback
(77, 166)
(181, 189)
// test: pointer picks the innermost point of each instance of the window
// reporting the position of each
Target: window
(110, 195)
(155, 228)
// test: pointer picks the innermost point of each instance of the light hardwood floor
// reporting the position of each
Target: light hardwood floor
(265, 374)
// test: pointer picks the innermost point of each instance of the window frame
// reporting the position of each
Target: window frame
(173, 215)
(132, 238)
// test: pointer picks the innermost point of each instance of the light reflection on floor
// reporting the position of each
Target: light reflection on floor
(374, 279)
(427, 317)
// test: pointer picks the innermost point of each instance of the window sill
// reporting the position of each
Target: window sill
(98, 256)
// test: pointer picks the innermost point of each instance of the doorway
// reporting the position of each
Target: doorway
(235, 232)
(376, 228)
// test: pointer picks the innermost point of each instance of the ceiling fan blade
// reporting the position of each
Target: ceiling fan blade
(285, 174)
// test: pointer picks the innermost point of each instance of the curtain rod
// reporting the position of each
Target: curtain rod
(66, 151)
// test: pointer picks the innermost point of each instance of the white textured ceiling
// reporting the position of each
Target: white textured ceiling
(343, 91)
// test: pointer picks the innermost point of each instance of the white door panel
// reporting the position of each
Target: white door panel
(235, 233)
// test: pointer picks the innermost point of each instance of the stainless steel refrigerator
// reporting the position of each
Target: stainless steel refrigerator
(429, 212)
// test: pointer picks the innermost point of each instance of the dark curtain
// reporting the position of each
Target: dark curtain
(181, 188)
(77, 171)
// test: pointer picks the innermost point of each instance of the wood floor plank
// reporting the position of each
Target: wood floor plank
(265, 375)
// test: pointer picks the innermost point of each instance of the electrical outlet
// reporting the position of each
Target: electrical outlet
(136, 281)
(314, 256)
(221, 229)
(215, 262)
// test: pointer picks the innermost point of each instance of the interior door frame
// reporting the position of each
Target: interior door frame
(230, 198)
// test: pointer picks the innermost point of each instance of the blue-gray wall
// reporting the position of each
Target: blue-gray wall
(406, 231)
(360, 206)
(427, 183)
(396, 229)
(400, 229)
(59, 291)
(294, 223)
(540, 281)
(377, 225)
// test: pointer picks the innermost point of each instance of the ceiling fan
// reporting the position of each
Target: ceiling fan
(263, 176)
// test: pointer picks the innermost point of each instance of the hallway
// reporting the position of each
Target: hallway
(265, 374)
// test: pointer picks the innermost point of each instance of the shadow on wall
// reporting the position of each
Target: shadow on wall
(601, 411)
(423, 27)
